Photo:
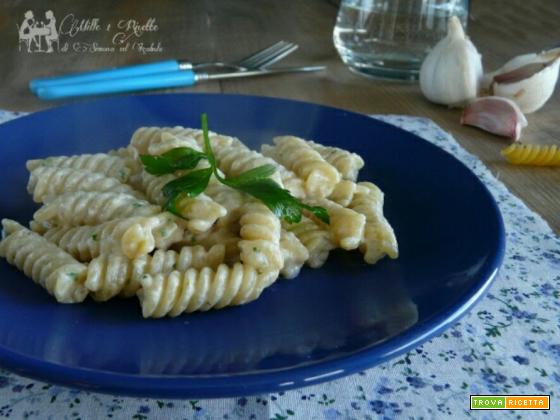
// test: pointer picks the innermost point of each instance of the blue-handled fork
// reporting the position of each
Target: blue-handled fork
(259, 59)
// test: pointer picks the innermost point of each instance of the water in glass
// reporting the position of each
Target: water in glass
(390, 38)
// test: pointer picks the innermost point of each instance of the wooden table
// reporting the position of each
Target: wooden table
(226, 30)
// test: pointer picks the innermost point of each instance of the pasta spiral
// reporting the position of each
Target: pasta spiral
(49, 266)
(291, 182)
(111, 274)
(379, 237)
(347, 163)
(201, 290)
(200, 212)
(102, 163)
(532, 154)
(227, 197)
(318, 175)
(91, 208)
(294, 253)
(46, 181)
(130, 156)
(226, 232)
(343, 192)
(134, 236)
(146, 136)
(236, 159)
(260, 237)
(167, 141)
(346, 225)
(315, 238)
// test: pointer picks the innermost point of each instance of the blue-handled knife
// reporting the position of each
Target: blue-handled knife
(160, 80)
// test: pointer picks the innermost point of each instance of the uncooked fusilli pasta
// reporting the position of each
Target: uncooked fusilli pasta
(532, 154)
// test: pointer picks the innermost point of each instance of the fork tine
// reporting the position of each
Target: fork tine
(271, 56)
(265, 58)
(275, 58)
(257, 55)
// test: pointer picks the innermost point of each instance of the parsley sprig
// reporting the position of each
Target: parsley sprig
(255, 182)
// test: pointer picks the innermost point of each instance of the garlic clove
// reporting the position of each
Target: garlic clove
(528, 79)
(520, 61)
(496, 115)
(520, 73)
(452, 71)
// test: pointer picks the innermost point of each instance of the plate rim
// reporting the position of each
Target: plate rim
(248, 383)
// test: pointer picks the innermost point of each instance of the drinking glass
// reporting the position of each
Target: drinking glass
(390, 38)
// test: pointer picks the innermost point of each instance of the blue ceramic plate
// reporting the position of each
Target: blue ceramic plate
(326, 323)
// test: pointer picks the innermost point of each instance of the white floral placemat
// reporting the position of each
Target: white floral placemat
(509, 344)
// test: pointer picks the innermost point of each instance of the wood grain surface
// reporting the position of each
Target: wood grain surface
(227, 30)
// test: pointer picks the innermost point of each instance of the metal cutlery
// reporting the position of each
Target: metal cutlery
(259, 59)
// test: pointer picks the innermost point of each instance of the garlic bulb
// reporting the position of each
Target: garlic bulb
(528, 79)
(452, 71)
(500, 116)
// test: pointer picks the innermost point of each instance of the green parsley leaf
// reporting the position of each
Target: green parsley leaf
(255, 182)
(320, 212)
(190, 185)
(207, 146)
(279, 200)
(259, 172)
(172, 160)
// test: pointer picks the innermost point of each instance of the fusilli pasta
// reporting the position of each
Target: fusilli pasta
(319, 176)
(219, 248)
(294, 253)
(46, 181)
(237, 158)
(379, 238)
(201, 290)
(131, 157)
(49, 266)
(102, 163)
(343, 192)
(199, 212)
(260, 237)
(315, 238)
(346, 225)
(226, 232)
(347, 163)
(133, 236)
(111, 274)
(91, 208)
(532, 154)
(145, 136)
